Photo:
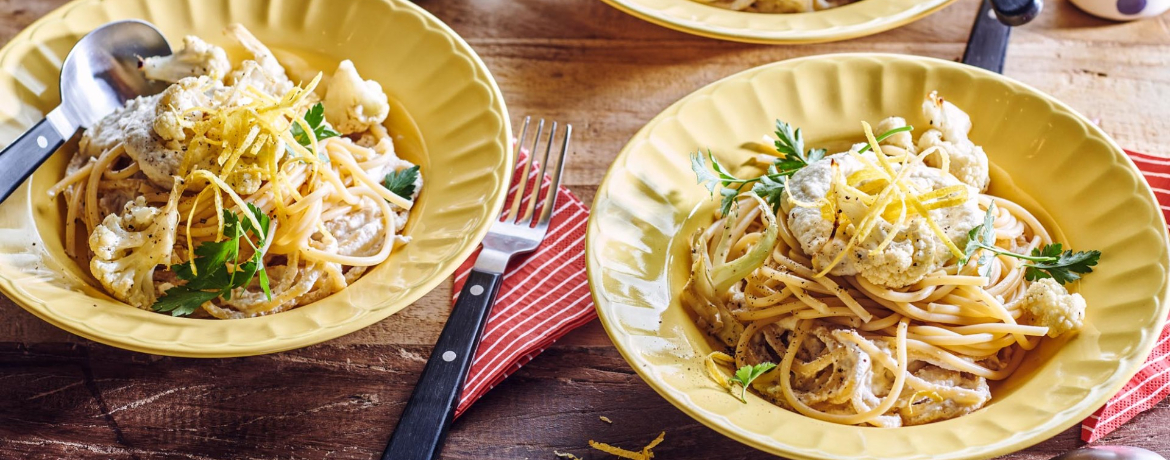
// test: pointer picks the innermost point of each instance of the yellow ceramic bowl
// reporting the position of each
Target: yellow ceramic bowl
(865, 17)
(447, 113)
(1067, 170)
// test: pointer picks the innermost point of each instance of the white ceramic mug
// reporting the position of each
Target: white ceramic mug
(1123, 10)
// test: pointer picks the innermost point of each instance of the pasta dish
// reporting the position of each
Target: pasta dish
(878, 286)
(237, 191)
(776, 6)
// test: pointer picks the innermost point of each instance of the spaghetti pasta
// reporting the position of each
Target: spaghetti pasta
(219, 150)
(856, 343)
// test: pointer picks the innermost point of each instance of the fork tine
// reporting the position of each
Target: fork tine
(523, 182)
(535, 195)
(550, 200)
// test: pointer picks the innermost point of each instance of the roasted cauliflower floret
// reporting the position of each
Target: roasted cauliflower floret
(195, 58)
(968, 162)
(949, 129)
(128, 247)
(946, 117)
(352, 105)
(902, 139)
(1051, 306)
(171, 118)
(271, 73)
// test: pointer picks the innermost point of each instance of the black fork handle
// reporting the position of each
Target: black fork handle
(424, 423)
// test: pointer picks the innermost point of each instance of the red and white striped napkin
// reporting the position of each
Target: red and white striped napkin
(544, 296)
(1152, 382)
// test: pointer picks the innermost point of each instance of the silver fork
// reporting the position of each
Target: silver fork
(424, 423)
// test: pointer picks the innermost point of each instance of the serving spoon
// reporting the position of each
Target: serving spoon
(987, 45)
(99, 75)
(1109, 453)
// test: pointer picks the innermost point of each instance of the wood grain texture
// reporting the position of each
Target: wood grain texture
(578, 61)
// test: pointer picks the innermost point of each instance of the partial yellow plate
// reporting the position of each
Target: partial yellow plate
(1069, 172)
(447, 115)
(866, 17)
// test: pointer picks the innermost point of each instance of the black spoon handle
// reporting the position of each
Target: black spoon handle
(424, 423)
(1016, 12)
(23, 156)
(987, 45)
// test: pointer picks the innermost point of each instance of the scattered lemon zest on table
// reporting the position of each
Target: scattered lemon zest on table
(566, 455)
(645, 454)
(606, 419)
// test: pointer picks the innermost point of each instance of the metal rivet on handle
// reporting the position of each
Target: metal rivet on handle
(42, 142)
(448, 356)
(476, 290)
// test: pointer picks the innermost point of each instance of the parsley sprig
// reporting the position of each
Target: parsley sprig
(770, 186)
(1050, 261)
(315, 118)
(981, 237)
(727, 185)
(747, 374)
(401, 182)
(790, 144)
(216, 269)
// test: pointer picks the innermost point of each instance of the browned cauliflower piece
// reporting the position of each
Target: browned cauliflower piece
(195, 58)
(267, 74)
(1051, 306)
(352, 105)
(950, 127)
(128, 247)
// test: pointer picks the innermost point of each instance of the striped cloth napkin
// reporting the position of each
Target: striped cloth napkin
(543, 296)
(1152, 382)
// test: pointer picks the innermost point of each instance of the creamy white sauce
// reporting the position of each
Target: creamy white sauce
(915, 252)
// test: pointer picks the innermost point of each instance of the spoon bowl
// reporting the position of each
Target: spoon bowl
(101, 72)
(99, 75)
(1109, 453)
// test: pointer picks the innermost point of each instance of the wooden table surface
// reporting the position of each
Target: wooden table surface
(578, 61)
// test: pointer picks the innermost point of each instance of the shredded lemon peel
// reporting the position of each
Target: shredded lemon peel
(929, 394)
(646, 453)
(886, 195)
(712, 361)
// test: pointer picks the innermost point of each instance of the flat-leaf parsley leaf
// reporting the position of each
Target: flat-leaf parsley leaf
(1051, 261)
(315, 118)
(747, 374)
(216, 268)
(401, 183)
(789, 144)
(1064, 267)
